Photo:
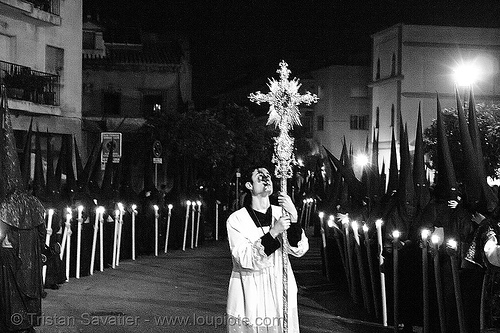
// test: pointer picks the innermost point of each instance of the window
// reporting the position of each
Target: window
(88, 40)
(320, 123)
(354, 122)
(54, 60)
(359, 122)
(7, 48)
(111, 103)
(152, 105)
(363, 122)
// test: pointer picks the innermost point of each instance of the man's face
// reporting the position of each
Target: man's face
(261, 182)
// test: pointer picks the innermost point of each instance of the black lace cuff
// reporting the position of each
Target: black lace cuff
(270, 244)
(294, 234)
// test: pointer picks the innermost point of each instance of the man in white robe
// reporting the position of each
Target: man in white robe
(255, 296)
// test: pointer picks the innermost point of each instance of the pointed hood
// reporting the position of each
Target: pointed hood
(26, 157)
(95, 173)
(393, 167)
(383, 179)
(60, 165)
(407, 190)
(489, 196)
(356, 188)
(419, 174)
(374, 175)
(51, 182)
(79, 165)
(38, 179)
(11, 171)
(70, 172)
(446, 182)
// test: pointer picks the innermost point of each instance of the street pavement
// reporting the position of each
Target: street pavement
(186, 292)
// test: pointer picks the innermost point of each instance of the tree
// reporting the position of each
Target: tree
(489, 128)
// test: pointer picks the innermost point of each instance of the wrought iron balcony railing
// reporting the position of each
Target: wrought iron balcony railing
(26, 84)
(49, 6)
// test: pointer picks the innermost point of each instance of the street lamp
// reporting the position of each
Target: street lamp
(466, 74)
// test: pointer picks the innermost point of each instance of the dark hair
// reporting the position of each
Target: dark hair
(246, 176)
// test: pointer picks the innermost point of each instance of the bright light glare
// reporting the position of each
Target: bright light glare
(361, 160)
(466, 74)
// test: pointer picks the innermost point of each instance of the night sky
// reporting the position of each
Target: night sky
(234, 42)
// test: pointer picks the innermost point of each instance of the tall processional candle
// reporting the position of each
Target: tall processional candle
(395, 250)
(198, 203)
(378, 225)
(68, 241)
(371, 269)
(193, 210)
(169, 215)
(120, 228)
(79, 241)
(352, 280)
(94, 241)
(337, 233)
(134, 214)
(437, 277)
(156, 208)
(47, 239)
(186, 222)
(361, 268)
(115, 237)
(425, 279)
(101, 238)
(217, 202)
(302, 213)
(321, 216)
(452, 252)
(65, 233)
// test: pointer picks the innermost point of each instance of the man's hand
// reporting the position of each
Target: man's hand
(287, 204)
(282, 224)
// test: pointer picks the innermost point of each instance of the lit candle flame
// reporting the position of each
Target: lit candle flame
(378, 223)
(435, 239)
(396, 234)
(321, 215)
(425, 234)
(365, 228)
(452, 244)
(170, 206)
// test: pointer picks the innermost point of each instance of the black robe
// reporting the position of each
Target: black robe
(21, 265)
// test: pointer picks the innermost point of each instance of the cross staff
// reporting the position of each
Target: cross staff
(284, 99)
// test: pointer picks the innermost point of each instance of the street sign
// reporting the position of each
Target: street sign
(107, 139)
(157, 160)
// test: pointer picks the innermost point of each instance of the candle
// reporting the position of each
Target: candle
(395, 249)
(188, 205)
(378, 225)
(94, 241)
(337, 233)
(47, 240)
(156, 208)
(68, 243)
(79, 241)
(371, 269)
(435, 239)
(120, 227)
(352, 282)
(134, 213)
(198, 203)
(217, 202)
(361, 268)
(302, 212)
(321, 216)
(193, 204)
(452, 252)
(115, 238)
(425, 279)
(101, 238)
(170, 206)
(65, 233)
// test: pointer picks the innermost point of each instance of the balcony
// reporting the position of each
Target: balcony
(38, 12)
(25, 84)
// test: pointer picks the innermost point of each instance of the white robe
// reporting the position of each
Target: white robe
(255, 296)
